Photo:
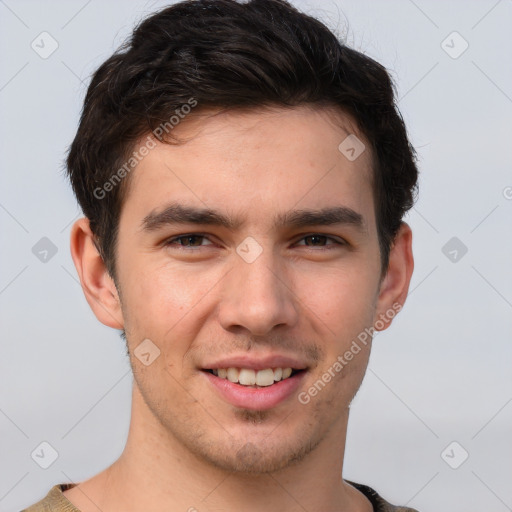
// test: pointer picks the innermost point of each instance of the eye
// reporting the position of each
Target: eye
(318, 240)
(187, 241)
(196, 240)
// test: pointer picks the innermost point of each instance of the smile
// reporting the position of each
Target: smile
(250, 377)
(255, 390)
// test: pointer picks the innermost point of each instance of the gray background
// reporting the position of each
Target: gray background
(442, 373)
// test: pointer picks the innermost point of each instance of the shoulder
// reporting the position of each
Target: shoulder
(378, 502)
(54, 501)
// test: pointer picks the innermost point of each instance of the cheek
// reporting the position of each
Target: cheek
(163, 292)
(167, 304)
(342, 302)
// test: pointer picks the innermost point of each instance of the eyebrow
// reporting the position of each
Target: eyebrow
(180, 214)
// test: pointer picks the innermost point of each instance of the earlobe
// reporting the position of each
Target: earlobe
(395, 285)
(98, 286)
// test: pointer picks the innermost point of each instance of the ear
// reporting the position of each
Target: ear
(99, 288)
(395, 284)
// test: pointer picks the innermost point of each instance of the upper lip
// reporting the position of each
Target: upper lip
(256, 363)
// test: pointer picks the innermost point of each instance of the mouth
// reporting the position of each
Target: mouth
(248, 377)
(257, 390)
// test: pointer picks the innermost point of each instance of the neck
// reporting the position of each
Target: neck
(156, 472)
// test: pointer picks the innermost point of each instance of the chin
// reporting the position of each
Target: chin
(256, 454)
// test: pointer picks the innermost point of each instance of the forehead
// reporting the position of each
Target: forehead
(257, 161)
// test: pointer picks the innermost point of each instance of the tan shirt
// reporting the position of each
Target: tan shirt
(55, 501)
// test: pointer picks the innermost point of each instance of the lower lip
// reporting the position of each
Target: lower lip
(256, 399)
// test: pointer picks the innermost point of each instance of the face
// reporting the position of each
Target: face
(252, 246)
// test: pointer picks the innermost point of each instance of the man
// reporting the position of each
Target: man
(243, 177)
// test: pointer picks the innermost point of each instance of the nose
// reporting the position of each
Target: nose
(257, 297)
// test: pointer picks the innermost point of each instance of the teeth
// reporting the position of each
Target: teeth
(265, 377)
(232, 374)
(248, 377)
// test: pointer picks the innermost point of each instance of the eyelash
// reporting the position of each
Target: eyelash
(171, 241)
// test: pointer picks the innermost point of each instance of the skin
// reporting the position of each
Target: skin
(309, 298)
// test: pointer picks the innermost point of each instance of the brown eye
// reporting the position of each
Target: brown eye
(317, 240)
(193, 240)
(188, 241)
